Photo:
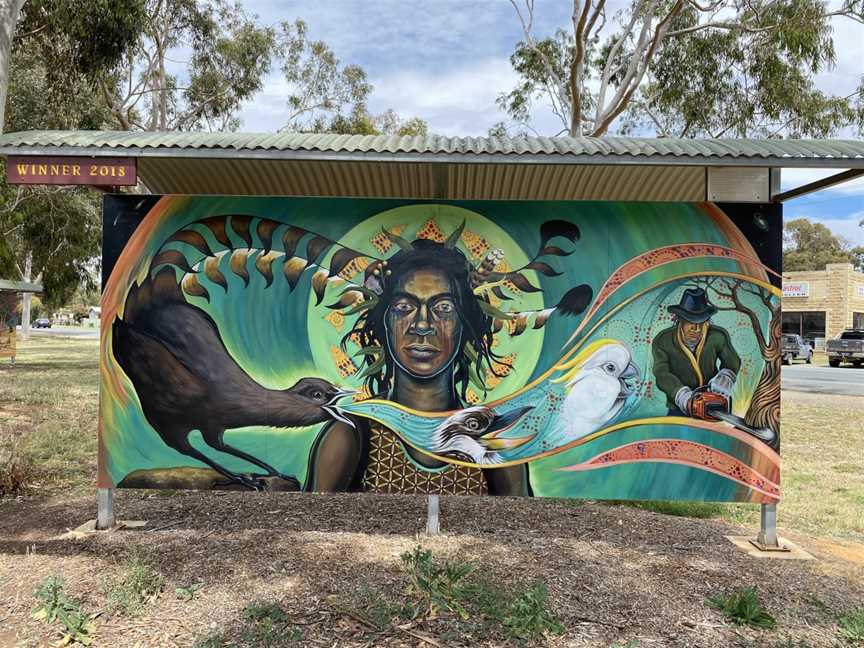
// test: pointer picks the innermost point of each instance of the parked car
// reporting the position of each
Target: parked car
(42, 323)
(794, 347)
(849, 347)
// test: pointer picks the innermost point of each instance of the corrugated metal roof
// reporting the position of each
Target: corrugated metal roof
(557, 150)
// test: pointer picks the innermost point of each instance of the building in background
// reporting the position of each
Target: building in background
(820, 304)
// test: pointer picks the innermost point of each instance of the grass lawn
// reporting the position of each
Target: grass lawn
(49, 405)
(49, 410)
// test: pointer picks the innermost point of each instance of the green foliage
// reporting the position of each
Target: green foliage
(729, 68)
(187, 593)
(322, 88)
(743, 607)
(230, 55)
(440, 584)
(265, 625)
(755, 79)
(811, 246)
(268, 626)
(59, 228)
(482, 608)
(327, 96)
(526, 616)
(55, 606)
(851, 626)
(140, 583)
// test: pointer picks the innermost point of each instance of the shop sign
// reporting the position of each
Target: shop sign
(42, 170)
(796, 289)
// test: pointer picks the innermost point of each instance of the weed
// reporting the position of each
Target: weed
(439, 584)
(56, 606)
(526, 616)
(187, 593)
(377, 608)
(140, 583)
(17, 472)
(743, 607)
(852, 626)
(268, 626)
(214, 640)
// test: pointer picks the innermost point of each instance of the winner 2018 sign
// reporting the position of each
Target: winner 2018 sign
(71, 171)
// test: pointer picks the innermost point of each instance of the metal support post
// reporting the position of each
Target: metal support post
(104, 508)
(768, 526)
(432, 525)
(767, 539)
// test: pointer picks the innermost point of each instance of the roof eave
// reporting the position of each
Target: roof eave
(440, 158)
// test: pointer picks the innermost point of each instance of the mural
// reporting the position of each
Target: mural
(564, 349)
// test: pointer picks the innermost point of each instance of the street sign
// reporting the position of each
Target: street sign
(40, 170)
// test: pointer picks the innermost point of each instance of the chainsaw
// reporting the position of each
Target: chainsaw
(710, 406)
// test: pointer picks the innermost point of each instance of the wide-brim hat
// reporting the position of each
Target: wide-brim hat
(694, 306)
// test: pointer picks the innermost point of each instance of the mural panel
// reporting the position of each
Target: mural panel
(563, 349)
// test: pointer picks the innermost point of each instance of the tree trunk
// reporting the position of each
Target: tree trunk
(25, 299)
(764, 410)
(9, 10)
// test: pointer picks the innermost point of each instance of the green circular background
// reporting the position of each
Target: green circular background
(527, 347)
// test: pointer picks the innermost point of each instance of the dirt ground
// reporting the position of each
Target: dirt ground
(617, 576)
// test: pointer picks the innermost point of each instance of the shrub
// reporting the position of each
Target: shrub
(852, 626)
(439, 584)
(17, 472)
(743, 607)
(140, 583)
(56, 606)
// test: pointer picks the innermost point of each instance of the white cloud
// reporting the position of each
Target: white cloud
(846, 228)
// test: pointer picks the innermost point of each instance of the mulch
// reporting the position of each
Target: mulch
(615, 574)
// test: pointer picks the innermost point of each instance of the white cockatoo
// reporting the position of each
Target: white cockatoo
(597, 383)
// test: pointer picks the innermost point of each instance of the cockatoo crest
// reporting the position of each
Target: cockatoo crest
(597, 386)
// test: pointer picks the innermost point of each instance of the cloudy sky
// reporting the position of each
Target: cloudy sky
(447, 60)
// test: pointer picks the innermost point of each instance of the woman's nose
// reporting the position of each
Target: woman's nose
(421, 324)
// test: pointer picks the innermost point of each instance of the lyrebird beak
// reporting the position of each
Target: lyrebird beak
(341, 393)
(631, 372)
(333, 409)
(500, 424)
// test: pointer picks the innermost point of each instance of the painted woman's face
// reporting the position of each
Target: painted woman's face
(424, 329)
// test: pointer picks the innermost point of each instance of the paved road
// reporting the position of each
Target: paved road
(845, 380)
(65, 331)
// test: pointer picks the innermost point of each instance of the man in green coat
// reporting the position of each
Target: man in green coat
(693, 354)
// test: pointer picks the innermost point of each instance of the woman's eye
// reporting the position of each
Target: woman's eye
(444, 307)
(402, 307)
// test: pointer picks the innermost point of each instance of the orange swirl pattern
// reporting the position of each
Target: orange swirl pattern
(656, 258)
(688, 453)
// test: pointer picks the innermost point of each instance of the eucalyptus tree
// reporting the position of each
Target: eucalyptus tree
(686, 68)
(192, 66)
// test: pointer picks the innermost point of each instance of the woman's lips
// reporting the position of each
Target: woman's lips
(421, 351)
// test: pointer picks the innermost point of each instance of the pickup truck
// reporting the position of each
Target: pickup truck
(793, 347)
(849, 347)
